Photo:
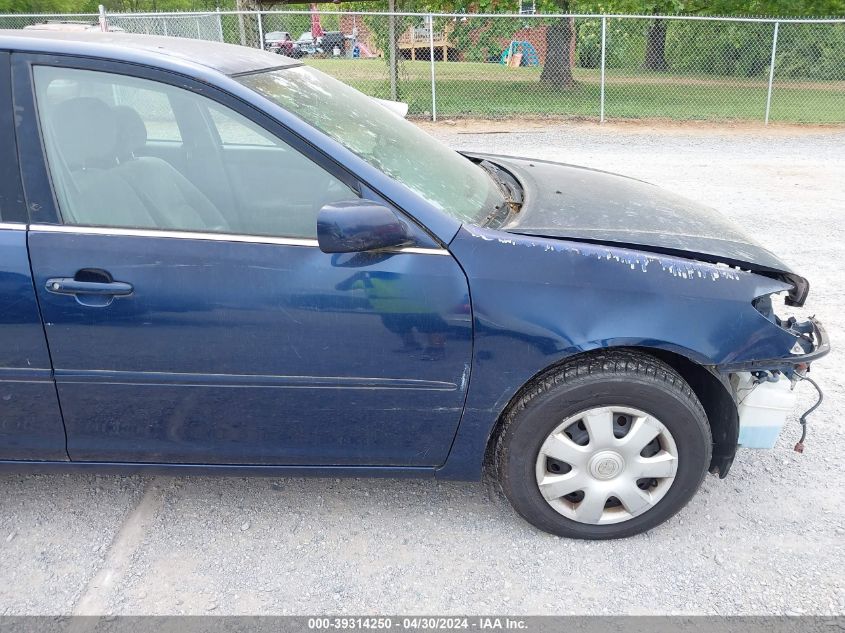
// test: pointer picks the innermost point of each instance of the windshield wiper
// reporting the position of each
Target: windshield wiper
(509, 185)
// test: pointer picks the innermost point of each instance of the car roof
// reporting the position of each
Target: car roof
(228, 59)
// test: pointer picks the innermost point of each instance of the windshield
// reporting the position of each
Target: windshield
(397, 147)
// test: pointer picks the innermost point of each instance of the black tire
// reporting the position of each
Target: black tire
(613, 378)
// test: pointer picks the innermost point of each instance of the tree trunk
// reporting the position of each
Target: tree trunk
(248, 23)
(655, 48)
(557, 70)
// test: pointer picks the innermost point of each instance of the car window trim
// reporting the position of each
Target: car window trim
(78, 229)
(12, 206)
(34, 168)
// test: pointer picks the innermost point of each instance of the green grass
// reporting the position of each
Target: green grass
(493, 90)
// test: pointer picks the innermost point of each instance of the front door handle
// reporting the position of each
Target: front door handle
(71, 286)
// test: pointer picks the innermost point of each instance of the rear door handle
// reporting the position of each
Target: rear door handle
(70, 286)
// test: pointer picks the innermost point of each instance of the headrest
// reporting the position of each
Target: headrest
(85, 132)
(131, 130)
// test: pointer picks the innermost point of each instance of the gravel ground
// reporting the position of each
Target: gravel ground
(769, 539)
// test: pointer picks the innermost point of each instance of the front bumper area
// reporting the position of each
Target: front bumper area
(812, 334)
(759, 426)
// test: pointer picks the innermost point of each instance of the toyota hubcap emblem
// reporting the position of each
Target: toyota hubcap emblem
(606, 465)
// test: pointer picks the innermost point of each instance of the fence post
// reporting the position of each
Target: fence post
(431, 57)
(603, 49)
(103, 24)
(772, 72)
(260, 32)
(220, 25)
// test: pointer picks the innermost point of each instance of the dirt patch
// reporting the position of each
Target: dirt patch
(628, 126)
(725, 82)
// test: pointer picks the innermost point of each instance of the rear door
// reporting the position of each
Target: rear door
(195, 320)
(30, 422)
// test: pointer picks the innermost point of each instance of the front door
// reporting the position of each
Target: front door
(190, 315)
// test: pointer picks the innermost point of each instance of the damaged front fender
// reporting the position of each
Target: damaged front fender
(538, 301)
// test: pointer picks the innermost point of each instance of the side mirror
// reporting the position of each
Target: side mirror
(355, 226)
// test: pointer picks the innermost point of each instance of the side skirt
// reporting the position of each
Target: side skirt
(222, 470)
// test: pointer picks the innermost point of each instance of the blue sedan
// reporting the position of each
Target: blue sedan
(216, 259)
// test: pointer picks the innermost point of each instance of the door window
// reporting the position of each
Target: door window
(125, 152)
(233, 132)
(154, 109)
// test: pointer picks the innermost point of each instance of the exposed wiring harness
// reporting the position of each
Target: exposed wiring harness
(799, 447)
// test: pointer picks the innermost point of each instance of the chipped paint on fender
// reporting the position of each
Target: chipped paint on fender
(634, 260)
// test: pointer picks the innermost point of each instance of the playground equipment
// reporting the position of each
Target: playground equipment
(417, 41)
(519, 53)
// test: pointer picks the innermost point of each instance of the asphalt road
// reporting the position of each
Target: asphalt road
(769, 539)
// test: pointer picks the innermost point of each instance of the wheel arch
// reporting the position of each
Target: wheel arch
(711, 389)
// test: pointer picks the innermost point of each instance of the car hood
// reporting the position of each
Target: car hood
(578, 203)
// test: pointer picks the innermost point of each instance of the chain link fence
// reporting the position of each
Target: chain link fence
(575, 66)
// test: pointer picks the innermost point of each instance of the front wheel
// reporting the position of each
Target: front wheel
(605, 446)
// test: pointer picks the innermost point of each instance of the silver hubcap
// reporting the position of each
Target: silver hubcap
(606, 465)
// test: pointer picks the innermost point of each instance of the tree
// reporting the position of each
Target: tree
(655, 44)
(655, 49)
(557, 70)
